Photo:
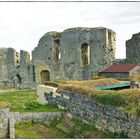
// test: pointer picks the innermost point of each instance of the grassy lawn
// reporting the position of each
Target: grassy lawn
(61, 128)
(37, 130)
(23, 101)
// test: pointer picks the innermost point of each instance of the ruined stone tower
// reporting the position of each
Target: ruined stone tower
(133, 49)
(74, 54)
(3, 64)
(16, 68)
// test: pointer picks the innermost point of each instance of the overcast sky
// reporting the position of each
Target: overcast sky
(23, 24)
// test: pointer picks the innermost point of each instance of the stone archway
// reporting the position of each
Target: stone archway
(16, 80)
(45, 76)
(38, 69)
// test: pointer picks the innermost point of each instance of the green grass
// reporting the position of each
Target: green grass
(24, 101)
(32, 130)
(110, 99)
(62, 128)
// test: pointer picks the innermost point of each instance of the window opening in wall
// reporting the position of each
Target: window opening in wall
(59, 56)
(45, 76)
(34, 73)
(56, 53)
(85, 54)
(46, 44)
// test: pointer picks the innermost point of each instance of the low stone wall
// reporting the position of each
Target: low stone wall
(4, 120)
(39, 117)
(8, 120)
(105, 117)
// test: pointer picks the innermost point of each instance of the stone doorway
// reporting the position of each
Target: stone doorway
(45, 76)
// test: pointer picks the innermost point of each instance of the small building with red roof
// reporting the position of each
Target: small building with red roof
(120, 71)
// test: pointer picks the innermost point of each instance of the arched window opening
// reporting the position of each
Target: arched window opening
(85, 54)
(33, 73)
(56, 53)
(45, 76)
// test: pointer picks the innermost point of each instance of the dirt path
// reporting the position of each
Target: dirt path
(6, 90)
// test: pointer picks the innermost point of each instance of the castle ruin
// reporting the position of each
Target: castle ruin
(15, 69)
(133, 49)
(74, 54)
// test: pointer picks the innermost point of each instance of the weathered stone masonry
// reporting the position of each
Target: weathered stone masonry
(8, 120)
(74, 54)
(16, 68)
(133, 49)
(105, 117)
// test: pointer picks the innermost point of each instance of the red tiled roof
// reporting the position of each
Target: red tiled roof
(120, 68)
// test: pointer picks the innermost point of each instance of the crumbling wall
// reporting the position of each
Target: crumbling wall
(66, 58)
(19, 68)
(9, 119)
(133, 49)
(74, 54)
(24, 69)
(46, 56)
(105, 117)
(99, 52)
(3, 64)
(4, 119)
(11, 62)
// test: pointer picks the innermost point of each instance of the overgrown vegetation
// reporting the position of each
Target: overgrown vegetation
(111, 99)
(127, 99)
(24, 101)
(62, 128)
(84, 87)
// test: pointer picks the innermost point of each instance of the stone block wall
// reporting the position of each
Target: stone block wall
(4, 120)
(105, 117)
(41, 89)
(133, 49)
(8, 120)
(74, 53)
(3, 64)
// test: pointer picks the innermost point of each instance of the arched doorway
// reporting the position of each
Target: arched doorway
(18, 79)
(45, 76)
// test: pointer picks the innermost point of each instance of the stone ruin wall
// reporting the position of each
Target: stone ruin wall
(3, 64)
(105, 117)
(16, 68)
(133, 49)
(9, 119)
(74, 54)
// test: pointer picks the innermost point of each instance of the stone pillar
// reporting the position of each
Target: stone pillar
(24, 58)
(12, 126)
(11, 58)
(4, 120)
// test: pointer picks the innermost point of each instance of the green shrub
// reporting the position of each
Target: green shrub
(110, 99)
(31, 106)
